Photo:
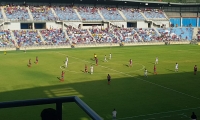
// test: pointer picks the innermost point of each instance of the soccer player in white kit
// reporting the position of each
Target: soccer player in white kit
(66, 62)
(176, 67)
(110, 56)
(105, 60)
(67, 58)
(145, 72)
(91, 69)
(156, 62)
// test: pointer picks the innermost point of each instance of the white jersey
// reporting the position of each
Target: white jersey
(156, 59)
(66, 63)
(91, 68)
(145, 72)
(67, 59)
(114, 113)
(176, 67)
(105, 58)
(110, 56)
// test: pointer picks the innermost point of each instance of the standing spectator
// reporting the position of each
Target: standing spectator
(193, 116)
(195, 69)
(114, 114)
(108, 77)
(49, 114)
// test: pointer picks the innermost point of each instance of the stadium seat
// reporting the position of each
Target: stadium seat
(79, 36)
(88, 13)
(43, 13)
(16, 12)
(6, 39)
(53, 36)
(27, 37)
(103, 35)
(176, 34)
(132, 14)
(65, 13)
(110, 13)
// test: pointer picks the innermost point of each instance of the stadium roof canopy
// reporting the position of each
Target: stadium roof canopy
(108, 2)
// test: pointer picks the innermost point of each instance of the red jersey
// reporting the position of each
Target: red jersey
(154, 67)
(130, 61)
(29, 61)
(36, 58)
(62, 73)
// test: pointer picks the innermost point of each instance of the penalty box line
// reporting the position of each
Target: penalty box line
(139, 78)
(159, 113)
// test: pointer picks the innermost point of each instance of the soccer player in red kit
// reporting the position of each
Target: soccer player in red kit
(96, 61)
(29, 63)
(130, 63)
(62, 76)
(195, 69)
(154, 68)
(86, 71)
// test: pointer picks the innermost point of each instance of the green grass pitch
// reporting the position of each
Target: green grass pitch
(169, 95)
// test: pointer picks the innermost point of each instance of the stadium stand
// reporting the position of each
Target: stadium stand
(65, 13)
(6, 39)
(132, 14)
(16, 12)
(154, 14)
(110, 13)
(53, 36)
(103, 35)
(88, 13)
(79, 36)
(147, 34)
(127, 35)
(27, 37)
(43, 13)
(177, 34)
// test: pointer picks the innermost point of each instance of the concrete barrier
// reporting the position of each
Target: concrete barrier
(89, 45)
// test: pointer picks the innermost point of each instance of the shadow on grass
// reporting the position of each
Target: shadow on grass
(131, 96)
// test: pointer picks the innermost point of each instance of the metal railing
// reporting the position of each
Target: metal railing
(58, 101)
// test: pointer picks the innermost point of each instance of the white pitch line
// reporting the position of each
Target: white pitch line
(150, 119)
(165, 116)
(159, 113)
(140, 79)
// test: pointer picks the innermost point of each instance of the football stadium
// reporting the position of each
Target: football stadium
(99, 59)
